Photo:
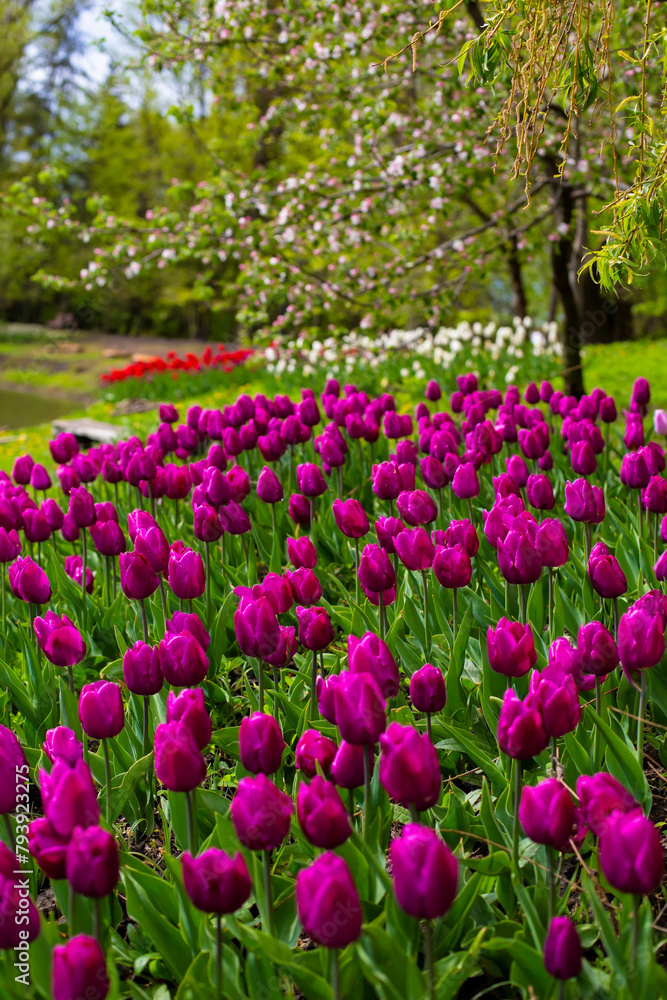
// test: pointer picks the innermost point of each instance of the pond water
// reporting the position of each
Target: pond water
(26, 409)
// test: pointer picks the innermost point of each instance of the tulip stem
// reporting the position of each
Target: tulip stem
(335, 975)
(70, 679)
(367, 789)
(427, 637)
(516, 767)
(428, 958)
(551, 882)
(107, 776)
(71, 909)
(144, 744)
(113, 577)
(313, 685)
(273, 520)
(247, 561)
(523, 594)
(260, 694)
(208, 582)
(551, 605)
(454, 612)
(587, 541)
(84, 564)
(144, 619)
(10, 832)
(357, 591)
(507, 599)
(163, 599)
(218, 954)
(640, 724)
(350, 804)
(380, 615)
(268, 901)
(2, 592)
(640, 520)
(554, 756)
(598, 710)
(428, 726)
(191, 806)
(97, 919)
(470, 513)
(636, 903)
(561, 983)
(655, 537)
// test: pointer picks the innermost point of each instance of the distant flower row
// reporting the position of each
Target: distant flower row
(219, 358)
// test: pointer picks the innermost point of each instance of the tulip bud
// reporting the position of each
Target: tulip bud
(315, 628)
(322, 814)
(556, 697)
(386, 481)
(260, 813)
(518, 559)
(137, 578)
(81, 507)
(328, 902)
(465, 483)
(427, 689)
(562, 949)
(416, 507)
(409, 768)
(62, 743)
(28, 581)
(360, 708)
(596, 650)
(424, 871)
(189, 707)
(351, 518)
(215, 882)
(511, 648)
(261, 743)
(371, 655)
(300, 510)
(301, 552)
(551, 543)
(60, 640)
(91, 863)
(641, 639)
(101, 709)
(186, 574)
(521, 732)
(452, 566)
(387, 530)
(547, 813)
(12, 763)
(79, 970)
(142, 670)
(376, 572)
(584, 502)
(631, 854)
(414, 548)
(183, 661)
(606, 575)
(310, 480)
(599, 796)
(269, 487)
(312, 749)
(48, 848)
(69, 797)
(179, 764)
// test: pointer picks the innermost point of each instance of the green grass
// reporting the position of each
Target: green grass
(614, 367)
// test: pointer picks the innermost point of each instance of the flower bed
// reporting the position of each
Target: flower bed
(316, 697)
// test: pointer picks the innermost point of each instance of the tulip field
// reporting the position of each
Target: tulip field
(327, 697)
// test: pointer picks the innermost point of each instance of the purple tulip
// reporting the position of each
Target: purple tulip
(562, 949)
(414, 548)
(641, 639)
(511, 648)
(310, 480)
(556, 697)
(28, 581)
(371, 655)
(328, 902)
(424, 871)
(186, 573)
(518, 559)
(182, 660)
(60, 640)
(521, 732)
(465, 483)
(189, 707)
(631, 854)
(427, 689)
(452, 566)
(360, 708)
(596, 650)
(376, 572)
(215, 882)
(315, 628)
(63, 744)
(322, 814)
(269, 487)
(91, 863)
(137, 577)
(606, 575)
(10, 545)
(386, 481)
(600, 795)
(551, 543)
(142, 670)
(416, 507)
(547, 813)
(69, 797)
(584, 502)
(301, 552)
(261, 813)
(261, 743)
(12, 764)
(409, 768)
(19, 917)
(351, 518)
(79, 970)
(101, 709)
(314, 749)
(179, 764)
(47, 847)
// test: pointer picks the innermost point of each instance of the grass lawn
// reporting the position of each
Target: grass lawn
(614, 367)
